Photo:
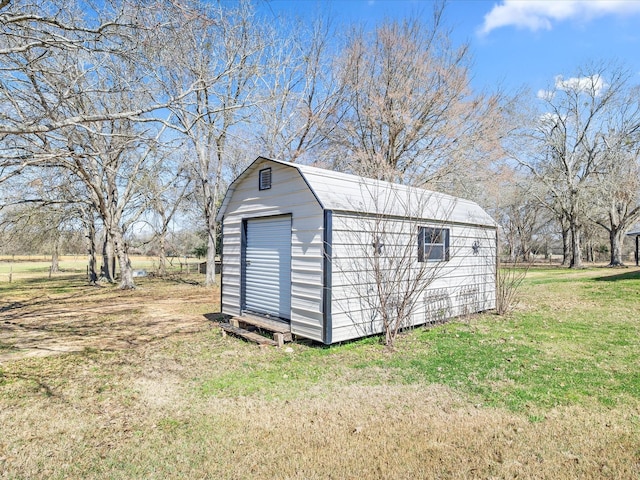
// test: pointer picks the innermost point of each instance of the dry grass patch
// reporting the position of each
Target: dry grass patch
(157, 392)
(157, 428)
(421, 432)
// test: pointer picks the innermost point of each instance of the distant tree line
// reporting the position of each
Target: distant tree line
(121, 113)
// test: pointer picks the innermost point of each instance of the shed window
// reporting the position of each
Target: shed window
(264, 179)
(433, 244)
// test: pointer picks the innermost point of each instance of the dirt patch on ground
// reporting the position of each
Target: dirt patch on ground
(101, 318)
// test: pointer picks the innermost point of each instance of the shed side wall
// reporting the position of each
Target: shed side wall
(289, 194)
(465, 284)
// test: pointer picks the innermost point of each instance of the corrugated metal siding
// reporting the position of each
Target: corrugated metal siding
(464, 284)
(268, 266)
(289, 194)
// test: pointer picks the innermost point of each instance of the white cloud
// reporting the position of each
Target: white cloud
(594, 84)
(545, 95)
(541, 14)
(548, 120)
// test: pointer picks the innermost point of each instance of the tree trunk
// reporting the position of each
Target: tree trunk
(526, 250)
(547, 253)
(162, 255)
(566, 246)
(126, 272)
(210, 214)
(616, 240)
(587, 251)
(211, 257)
(93, 252)
(576, 251)
(55, 255)
(108, 265)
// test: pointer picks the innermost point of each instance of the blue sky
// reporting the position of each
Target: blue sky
(514, 43)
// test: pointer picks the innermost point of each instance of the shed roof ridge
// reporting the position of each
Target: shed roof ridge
(353, 193)
(373, 181)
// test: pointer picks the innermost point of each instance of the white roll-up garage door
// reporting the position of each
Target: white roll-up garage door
(268, 266)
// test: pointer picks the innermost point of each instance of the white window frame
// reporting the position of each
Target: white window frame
(433, 244)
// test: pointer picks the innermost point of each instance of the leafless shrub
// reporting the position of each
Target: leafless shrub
(509, 277)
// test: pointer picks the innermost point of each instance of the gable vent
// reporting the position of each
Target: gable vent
(264, 179)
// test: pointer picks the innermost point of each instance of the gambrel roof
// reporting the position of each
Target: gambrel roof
(350, 193)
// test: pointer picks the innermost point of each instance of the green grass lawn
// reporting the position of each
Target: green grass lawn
(568, 346)
(550, 391)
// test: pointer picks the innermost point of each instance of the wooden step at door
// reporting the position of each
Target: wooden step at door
(251, 336)
(278, 328)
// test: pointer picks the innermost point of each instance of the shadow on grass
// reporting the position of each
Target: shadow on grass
(35, 379)
(77, 335)
(217, 317)
(181, 279)
(627, 275)
(67, 282)
(66, 288)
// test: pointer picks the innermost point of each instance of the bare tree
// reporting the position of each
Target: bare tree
(39, 227)
(296, 114)
(110, 161)
(409, 114)
(509, 278)
(34, 91)
(519, 214)
(219, 49)
(167, 186)
(384, 249)
(78, 86)
(619, 200)
(567, 148)
(112, 166)
(41, 210)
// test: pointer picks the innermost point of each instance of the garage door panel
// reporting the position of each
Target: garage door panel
(268, 266)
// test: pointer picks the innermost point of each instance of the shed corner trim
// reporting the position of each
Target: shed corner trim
(327, 323)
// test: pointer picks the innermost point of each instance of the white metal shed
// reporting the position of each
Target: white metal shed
(299, 244)
(635, 232)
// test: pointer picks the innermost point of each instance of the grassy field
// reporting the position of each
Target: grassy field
(142, 385)
(38, 266)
